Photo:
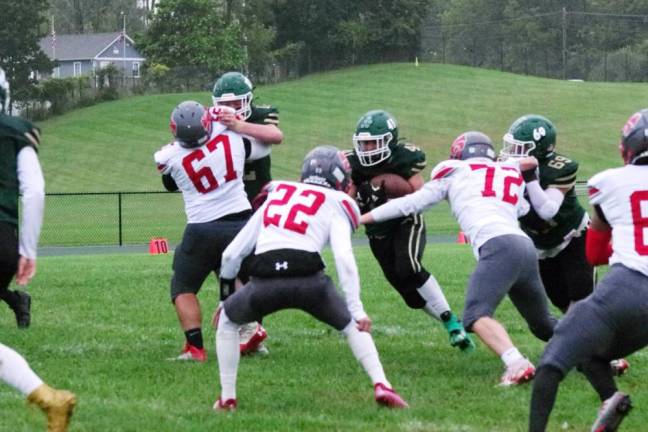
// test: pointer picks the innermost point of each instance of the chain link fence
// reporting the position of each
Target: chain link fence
(134, 218)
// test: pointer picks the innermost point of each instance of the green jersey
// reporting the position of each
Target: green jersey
(15, 134)
(558, 172)
(406, 160)
(257, 173)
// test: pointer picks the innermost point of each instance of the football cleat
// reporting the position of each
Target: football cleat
(57, 404)
(251, 336)
(224, 406)
(520, 372)
(612, 412)
(388, 397)
(457, 334)
(23, 310)
(191, 353)
(619, 367)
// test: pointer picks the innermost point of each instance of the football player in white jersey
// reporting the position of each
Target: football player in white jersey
(206, 163)
(286, 235)
(611, 322)
(486, 197)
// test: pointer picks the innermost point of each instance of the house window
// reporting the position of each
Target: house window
(103, 64)
(57, 72)
(136, 70)
(77, 69)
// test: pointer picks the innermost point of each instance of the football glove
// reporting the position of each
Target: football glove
(369, 196)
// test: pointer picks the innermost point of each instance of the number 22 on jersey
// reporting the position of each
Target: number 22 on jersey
(203, 178)
(511, 178)
(280, 207)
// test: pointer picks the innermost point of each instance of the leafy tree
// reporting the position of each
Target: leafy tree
(20, 53)
(96, 16)
(192, 33)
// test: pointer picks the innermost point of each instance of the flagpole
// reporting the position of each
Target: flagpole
(53, 40)
(123, 48)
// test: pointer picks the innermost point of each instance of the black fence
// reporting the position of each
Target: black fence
(134, 218)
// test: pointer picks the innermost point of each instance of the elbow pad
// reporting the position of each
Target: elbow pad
(598, 248)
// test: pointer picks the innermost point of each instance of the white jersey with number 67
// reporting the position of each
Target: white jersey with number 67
(622, 194)
(210, 177)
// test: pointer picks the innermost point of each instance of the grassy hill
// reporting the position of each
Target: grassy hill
(109, 147)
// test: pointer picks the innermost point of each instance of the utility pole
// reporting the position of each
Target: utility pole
(564, 42)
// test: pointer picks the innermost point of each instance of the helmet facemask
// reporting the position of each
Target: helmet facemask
(515, 149)
(372, 149)
(244, 110)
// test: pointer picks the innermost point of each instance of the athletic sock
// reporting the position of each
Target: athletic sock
(227, 350)
(364, 350)
(15, 371)
(194, 337)
(435, 302)
(600, 376)
(510, 356)
(543, 397)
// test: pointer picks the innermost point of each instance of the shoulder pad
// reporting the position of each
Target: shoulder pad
(445, 169)
(559, 172)
(21, 130)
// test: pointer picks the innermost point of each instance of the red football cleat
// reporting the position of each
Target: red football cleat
(388, 397)
(612, 412)
(620, 366)
(191, 353)
(520, 372)
(252, 335)
(228, 405)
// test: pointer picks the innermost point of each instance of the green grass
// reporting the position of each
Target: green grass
(109, 147)
(103, 327)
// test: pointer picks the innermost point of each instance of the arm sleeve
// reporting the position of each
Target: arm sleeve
(345, 264)
(598, 247)
(168, 182)
(32, 189)
(254, 149)
(546, 202)
(423, 199)
(242, 246)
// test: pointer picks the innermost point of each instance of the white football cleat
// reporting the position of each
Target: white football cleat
(251, 337)
(612, 413)
(520, 372)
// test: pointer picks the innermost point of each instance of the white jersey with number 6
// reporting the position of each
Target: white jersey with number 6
(622, 194)
(210, 177)
(486, 198)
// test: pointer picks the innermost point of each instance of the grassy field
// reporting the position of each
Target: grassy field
(109, 147)
(103, 327)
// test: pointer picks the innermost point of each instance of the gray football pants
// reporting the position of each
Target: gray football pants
(609, 324)
(508, 264)
(314, 294)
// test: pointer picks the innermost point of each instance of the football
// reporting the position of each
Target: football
(395, 185)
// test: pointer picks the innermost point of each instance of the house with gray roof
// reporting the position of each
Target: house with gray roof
(83, 54)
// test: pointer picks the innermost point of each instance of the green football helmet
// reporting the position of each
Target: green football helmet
(375, 135)
(530, 135)
(232, 87)
(4, 91)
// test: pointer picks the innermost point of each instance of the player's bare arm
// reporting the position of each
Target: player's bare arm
(416, 181)
(266, 133)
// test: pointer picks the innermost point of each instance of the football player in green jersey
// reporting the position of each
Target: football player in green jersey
(234, 90)
(398, 244)
(556, 222)
(20, 173)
